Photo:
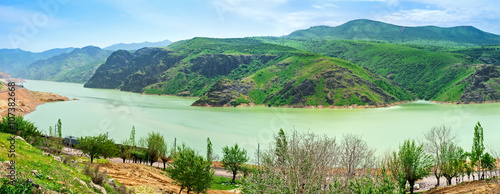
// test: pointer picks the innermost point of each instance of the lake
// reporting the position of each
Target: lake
(115, 112)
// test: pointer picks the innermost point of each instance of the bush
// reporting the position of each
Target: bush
(68, 160)
(97, 176)
(23, 128)
(21, 186)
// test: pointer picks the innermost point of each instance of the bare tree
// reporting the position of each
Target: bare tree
(295, 163)
(355, 155)
(437, 140)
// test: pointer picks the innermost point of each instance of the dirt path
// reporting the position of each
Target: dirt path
(138, 176)
(479, 187)
(133, 174)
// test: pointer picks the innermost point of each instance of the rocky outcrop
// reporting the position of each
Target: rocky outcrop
(226, 93)
(333, 86)
(481, 85)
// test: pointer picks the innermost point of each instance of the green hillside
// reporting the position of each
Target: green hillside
(13, 60)
(378, 31)
(77, 66)
(245, 70)
(42, 169)
(429, 75)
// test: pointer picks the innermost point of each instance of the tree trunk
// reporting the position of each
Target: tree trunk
(123, 160)
(448, 180)
(163, 165)
(437, 178)
(189, 189)
(181, 190)
(91, 159)
(234, 175)
(412, 183)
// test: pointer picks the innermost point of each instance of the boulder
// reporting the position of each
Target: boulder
(81, 182)
(97, 187)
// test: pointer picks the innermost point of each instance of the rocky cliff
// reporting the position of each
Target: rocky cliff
(232, 72)
(482, 86)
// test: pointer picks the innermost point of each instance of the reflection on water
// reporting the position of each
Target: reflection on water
(100, 111)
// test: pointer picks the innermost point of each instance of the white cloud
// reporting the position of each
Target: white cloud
(13, 15)
(325, 5)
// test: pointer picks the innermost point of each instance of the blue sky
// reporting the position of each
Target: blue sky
(38, 25)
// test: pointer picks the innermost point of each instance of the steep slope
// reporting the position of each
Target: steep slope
(484, 54)
(135, 46)
(76, 66)
(13, 60)
(426, 35)
(307, 80)
(244, 71)
(437, 76)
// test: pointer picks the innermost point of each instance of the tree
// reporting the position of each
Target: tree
(233, 158)
(355, 154)
(132, 136)
(209, 150)
(295, 163)
(96, 146)
(415, 163)
(190, 171)
(437, 140)
(477, 147)
(124, 151)
(488, 162)
(451, 167)
(50, 131)
(59, 128)
(155, 144)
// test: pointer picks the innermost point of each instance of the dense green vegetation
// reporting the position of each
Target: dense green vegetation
(432, 75)
(76, 66)
(230, 72)
(378, 31)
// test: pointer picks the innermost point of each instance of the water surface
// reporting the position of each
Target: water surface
(115, 112)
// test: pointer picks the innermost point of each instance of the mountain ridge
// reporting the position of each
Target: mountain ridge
(364, 29)
(232, 72)
(136, 46)
(77, 66)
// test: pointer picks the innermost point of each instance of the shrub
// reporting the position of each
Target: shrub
(97, 176)
(23, 128)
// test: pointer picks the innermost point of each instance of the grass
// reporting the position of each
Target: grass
(224, 183)
(50, 174)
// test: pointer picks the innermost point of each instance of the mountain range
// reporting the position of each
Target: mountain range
(77, 66)
(13, 60)
(135, 46)
(359, 63)
(379, 31)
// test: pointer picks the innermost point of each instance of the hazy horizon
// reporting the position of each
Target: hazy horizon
(43, 25)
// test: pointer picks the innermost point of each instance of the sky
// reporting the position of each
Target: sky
(39, 25)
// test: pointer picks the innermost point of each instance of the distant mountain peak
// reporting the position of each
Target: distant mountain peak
(364, 29)
(136, 46)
